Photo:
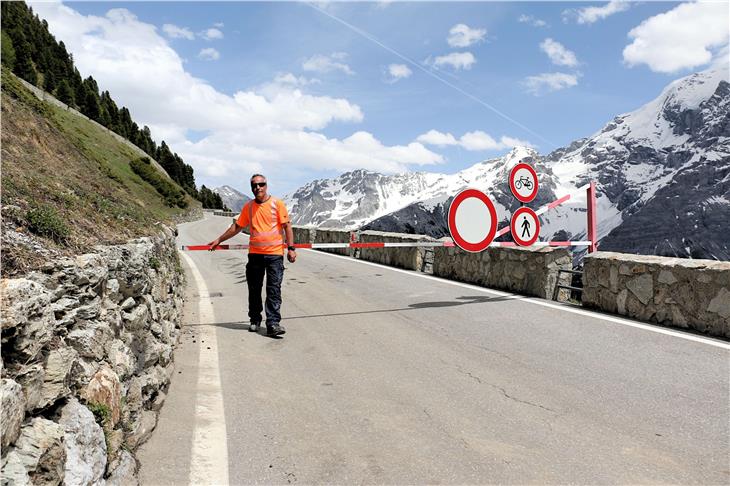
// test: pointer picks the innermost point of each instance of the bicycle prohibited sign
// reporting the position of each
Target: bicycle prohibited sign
(523, 182)
(525, 226)
(472, 220)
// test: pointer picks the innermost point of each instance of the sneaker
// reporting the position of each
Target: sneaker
(254, 327)
(275, 330)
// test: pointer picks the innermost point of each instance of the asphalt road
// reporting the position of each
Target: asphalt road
(385, 376)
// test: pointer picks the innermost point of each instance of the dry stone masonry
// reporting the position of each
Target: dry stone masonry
(86, 360)
(675, 292)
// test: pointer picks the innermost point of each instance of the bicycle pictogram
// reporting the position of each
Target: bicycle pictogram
(523, 181)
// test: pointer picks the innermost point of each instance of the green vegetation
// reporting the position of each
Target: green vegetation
(31, 52)
(54, 159)
(154, 263)
(172, 195)
(45, 221)
(102, 413)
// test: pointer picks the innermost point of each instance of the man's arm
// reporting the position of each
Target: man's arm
(232, 231)
(291, 254)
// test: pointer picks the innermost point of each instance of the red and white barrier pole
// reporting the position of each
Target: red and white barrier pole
(591, 215)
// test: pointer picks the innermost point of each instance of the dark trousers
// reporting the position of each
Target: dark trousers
(273, 267)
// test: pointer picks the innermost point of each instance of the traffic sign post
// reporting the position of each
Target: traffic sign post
(523, 182)
(525, 226)
(472, 220)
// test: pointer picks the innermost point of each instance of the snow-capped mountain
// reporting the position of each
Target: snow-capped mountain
(232, 198)
(662, 175)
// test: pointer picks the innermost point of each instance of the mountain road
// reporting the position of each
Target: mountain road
(391, 376)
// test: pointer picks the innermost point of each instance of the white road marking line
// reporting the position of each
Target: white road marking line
(209, 454)
(544, 303)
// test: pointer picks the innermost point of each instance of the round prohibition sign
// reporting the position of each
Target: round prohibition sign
(525, 226)
(472, 220)
(523, 182)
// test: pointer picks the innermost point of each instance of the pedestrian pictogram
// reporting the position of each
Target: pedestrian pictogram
(472, 220)
(523, 182)
(525, 226)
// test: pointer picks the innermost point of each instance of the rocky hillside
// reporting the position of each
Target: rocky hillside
(68, 184)
(662, 172)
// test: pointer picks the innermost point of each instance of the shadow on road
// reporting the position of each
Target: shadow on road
(464, 300)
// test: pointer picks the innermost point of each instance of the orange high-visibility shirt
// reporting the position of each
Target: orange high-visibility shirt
(265, 222)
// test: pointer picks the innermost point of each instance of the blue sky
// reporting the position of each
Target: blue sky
(289, 90)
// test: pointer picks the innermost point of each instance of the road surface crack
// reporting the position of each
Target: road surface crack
(503, 391)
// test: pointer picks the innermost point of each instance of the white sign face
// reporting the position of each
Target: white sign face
(523, 182)
(472, 220)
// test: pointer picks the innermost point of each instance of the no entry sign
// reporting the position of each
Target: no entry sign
(523, 182)
(525, 226)
(472, 220)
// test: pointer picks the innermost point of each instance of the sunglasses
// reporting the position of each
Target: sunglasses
(254, 185)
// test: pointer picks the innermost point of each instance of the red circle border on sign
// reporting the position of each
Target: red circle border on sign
(512, 187)
(512, 228)
(461, 242)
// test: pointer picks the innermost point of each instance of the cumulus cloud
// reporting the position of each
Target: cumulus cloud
(175, 32)
(548, 82)
(211, 34)
(589, 15)
(396, 72)
(529, 19)
(209, 54)
(325, 64)
(273, 127)
(473, 141)
(456, 60)
(558, 54)
(681, 38)
(461, 35)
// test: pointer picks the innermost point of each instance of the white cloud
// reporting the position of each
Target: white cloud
(461, 35)
(681, 38)
(272, 128)
(529, 19)
(457, 60)
(175, 32)
(396, 72)
(212, 33)
(219, 25)
(325, 64)
(209, 54)
(473, 141)
(434, 137)
(548, 82)
(558, 54)
(589, 15)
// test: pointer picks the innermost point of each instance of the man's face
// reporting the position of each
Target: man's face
(258, 187)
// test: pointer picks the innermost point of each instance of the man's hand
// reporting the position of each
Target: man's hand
(291, 255)
(213, 244)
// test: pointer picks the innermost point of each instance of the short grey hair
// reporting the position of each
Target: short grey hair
(257, 175)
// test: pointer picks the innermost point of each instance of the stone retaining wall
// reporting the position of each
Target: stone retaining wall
(525, 271)
(87, 349)
(411, 258)
(304, 234)
(677, 292)
(323, 235)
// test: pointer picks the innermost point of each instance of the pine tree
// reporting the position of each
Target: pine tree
(64, 93)
(8, 51)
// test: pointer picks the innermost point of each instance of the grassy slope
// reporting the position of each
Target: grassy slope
(52, 158)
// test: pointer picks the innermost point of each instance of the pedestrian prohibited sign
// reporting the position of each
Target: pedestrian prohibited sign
(472, 220)
(523, 182)
(525, 226)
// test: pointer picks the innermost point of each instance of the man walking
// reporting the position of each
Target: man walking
(269, 225)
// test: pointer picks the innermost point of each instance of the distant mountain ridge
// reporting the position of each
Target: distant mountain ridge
(662, 175)
(232, 198)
